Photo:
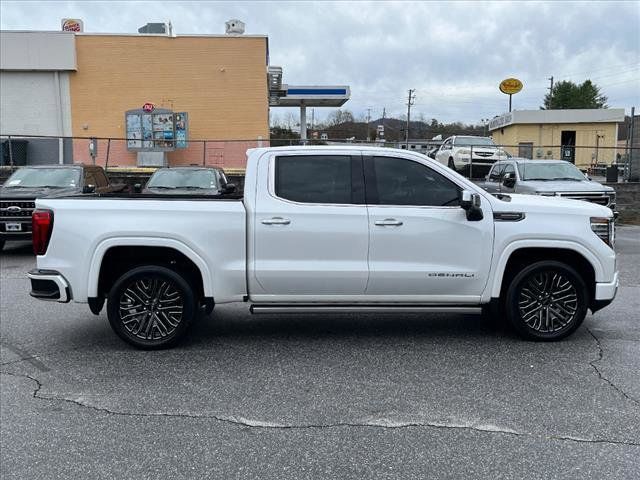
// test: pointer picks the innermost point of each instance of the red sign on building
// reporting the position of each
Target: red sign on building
(148, 107)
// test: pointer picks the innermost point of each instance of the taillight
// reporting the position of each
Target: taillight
(42, 226)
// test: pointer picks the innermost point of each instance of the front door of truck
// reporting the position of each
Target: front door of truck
(422, 247)
(310, 237)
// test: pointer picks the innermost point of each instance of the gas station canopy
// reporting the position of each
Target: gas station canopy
(303, 96)
(312, 96)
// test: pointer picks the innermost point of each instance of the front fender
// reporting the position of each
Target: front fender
(501, 264)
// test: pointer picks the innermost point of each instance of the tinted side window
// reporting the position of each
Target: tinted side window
(509, 169)
(314, 178)
(496, 172)
(397, 181)
(101, 178)
(89, 178)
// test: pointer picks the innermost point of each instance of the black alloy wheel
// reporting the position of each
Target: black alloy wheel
(151, 307)
(547, 301)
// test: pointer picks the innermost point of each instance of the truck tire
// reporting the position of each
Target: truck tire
(451, 165)
(546, 301)
(151, 307)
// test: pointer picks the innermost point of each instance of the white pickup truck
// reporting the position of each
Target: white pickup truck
(327, 229)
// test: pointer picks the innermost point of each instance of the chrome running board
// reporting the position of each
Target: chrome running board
(364, 308)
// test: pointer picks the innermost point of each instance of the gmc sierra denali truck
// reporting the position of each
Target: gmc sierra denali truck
(328, 229)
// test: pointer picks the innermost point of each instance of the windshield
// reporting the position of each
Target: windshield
(175, 178)
(475, 141)
(549, 171)
(44, 177)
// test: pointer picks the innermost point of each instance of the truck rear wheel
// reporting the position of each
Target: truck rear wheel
(546, 301)
(151, 307)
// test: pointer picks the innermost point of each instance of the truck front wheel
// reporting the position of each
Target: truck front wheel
(546, 301)
(151, 307)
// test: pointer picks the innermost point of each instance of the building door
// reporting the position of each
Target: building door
(568, 145)
(525, 150)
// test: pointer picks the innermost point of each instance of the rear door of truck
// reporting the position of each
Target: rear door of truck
(310, 227)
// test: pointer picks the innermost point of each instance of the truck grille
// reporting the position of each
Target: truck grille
(12, 209)
(593, 197)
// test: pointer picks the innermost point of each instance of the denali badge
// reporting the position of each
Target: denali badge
(451, 274)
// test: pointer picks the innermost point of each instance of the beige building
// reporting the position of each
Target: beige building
(582, 136)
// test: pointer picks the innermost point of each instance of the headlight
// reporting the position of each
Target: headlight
(464, 151)
(546, 194)
(605, 229)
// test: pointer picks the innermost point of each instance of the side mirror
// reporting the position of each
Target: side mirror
(137, 188)
(89, 188)
(229, 188)
(508, 181)
(470, 202)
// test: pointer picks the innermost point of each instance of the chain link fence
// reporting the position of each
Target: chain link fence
(474, 161)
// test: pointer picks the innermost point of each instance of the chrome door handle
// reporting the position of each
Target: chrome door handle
(276, 221)
(388, 222)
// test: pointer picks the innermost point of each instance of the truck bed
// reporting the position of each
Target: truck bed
(210, 231)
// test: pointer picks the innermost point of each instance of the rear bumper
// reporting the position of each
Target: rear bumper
(49, 285)
(7, 237)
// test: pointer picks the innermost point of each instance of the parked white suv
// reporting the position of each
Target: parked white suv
(460, 151)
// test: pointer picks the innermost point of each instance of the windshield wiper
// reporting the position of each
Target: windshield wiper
(162, 186)
(568, 178)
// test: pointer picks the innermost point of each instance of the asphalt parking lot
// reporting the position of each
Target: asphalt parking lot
(341, 396)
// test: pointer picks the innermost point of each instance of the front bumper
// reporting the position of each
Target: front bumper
(607, 291)
(49, 285)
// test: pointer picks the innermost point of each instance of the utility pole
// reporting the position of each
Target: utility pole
(368, 121)
(410, 100)
(313, 114)
(550, 85)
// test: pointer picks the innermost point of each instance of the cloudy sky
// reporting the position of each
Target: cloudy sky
(454, 54)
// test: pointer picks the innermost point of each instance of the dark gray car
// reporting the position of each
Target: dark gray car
(548, 178)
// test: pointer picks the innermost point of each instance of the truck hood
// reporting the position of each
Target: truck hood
(514, 202)
(566, 186)
(36, 192)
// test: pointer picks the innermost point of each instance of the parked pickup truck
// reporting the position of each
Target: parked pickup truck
(18, 194)
(550, 178)
(328, 229)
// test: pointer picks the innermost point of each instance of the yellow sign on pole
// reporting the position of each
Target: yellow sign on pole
(510, 86)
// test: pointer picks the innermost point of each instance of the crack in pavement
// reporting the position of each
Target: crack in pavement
(373, 423)
(602, 377)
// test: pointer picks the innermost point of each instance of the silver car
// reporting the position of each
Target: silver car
(549, 178)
